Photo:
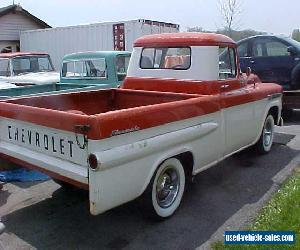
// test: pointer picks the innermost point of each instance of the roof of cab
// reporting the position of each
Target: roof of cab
(15, 54)
(184, 39)
(94, 54)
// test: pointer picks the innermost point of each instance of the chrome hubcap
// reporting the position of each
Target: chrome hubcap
(268, 134)
(167, 187)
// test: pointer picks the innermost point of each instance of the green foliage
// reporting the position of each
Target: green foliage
(296, 35)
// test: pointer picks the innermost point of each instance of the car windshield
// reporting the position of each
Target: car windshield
(4, 67)
(84, 68)
(31, 64)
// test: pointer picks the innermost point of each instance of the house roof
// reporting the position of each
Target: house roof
(184, 39)
(17, 8)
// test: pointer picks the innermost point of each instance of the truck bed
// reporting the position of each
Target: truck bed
(51, 88)
(108, 112)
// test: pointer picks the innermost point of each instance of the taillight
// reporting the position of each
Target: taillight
(93, 161)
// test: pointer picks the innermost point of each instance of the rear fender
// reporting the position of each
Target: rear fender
(166, 155)
(124, 172)
(277, 102)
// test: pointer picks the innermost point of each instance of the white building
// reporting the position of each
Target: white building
(118, 35)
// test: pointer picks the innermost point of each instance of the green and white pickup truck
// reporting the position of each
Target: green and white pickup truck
(81, 71)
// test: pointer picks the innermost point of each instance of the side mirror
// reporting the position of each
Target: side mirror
(248, 71)
(292, 50)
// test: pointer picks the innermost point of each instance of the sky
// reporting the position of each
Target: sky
(272, 16)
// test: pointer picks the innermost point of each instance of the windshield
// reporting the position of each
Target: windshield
(4, 67)
(31, 64)
(85, 68)
(122, 63)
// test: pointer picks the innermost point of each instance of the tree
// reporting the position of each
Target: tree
(296, 35)
(236, 35)
(230, 11)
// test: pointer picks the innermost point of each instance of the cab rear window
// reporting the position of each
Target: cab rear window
(166, 58)
(86, 68)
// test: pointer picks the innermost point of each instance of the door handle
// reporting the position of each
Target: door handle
(225, 86)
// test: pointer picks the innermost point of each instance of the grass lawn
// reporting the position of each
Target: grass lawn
(282, 213)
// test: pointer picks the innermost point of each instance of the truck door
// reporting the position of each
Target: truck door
(236, 103)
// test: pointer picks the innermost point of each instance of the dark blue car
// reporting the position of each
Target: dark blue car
(272, 58)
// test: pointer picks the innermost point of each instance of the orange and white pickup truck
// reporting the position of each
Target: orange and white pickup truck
(183, 108)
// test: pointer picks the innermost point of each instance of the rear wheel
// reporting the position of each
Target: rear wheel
(165, 191)
(265, 141)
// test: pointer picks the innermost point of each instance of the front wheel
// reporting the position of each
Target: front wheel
(265, 141)
(165, 190)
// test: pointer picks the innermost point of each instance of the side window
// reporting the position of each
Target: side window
(276, 48)
(243, 49)
(147, 58)
(257, 49)
(166, 58)
(122, 63)
(4, 67)
(227, 63)
(44, 64)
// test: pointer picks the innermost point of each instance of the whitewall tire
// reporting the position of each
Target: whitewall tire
(265, 141)
(165, 191)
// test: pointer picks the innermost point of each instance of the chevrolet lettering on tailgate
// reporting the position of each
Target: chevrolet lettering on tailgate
(40, 140)
(52, 142)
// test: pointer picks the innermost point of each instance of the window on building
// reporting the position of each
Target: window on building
(7, 49)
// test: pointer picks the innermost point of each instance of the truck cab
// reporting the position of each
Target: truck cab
(81, 71)
(95, 68)
(27, 68)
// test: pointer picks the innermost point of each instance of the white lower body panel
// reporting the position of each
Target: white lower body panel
(49, 163)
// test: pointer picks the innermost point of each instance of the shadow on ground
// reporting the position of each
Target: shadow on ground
(64, 222)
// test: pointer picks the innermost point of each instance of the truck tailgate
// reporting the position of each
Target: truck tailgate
(52, 149)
